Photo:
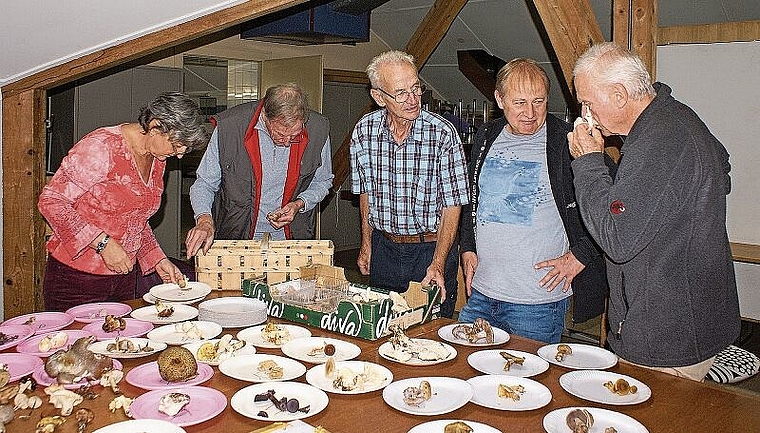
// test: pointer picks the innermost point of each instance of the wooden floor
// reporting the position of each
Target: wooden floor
(586, 332)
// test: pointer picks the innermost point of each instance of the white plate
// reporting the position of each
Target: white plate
(299, 349)
(437, 426)
(233, 311)
(100, 347)
(485, 393)
(169, 335)
(491, 362)
(554, 421)
(180, 314)
(589, 385)
(152, 300)
(142, 426)
(253, 335)
(307, 395)
(172, 292)
(248, 349)
(449, 394)
(386, 351)
(500, 336)
(316, 376)
(584, 356)
(245, 367)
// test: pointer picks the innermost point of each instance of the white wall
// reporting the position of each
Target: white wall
(721, 82)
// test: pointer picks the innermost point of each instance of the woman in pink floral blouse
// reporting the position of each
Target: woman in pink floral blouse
(99, 201)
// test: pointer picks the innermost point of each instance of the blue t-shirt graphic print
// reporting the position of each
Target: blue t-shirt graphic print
(513, 198)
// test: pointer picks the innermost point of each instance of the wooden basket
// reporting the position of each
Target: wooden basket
(228, 263)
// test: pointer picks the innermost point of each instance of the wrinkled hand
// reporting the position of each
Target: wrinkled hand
(581, 141)
(563, 268)
(434, 275)
(115, 258)
(469, 264)
(200, 236)
(283, 216)
(365, 253)
(168, 272)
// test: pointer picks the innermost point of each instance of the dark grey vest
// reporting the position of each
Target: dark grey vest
(233, 203)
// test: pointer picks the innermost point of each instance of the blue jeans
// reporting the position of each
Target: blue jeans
(542, 322)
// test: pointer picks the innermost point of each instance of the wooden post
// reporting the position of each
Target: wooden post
(23, 177)
(634, 25)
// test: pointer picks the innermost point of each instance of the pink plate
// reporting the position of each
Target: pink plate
(31, 346)
(135, 328)
(20, 364)
(146, 376)
(97, 311)
(43, 322)
(205, 403)
(21, 332)
(43, 379)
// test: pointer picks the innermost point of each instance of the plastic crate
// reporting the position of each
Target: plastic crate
(229, 262)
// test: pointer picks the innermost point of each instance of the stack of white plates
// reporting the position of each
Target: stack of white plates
(233, 312)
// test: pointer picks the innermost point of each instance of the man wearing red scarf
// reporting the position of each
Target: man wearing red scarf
(267, 165)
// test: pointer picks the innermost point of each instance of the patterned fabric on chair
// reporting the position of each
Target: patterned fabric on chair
(733, 364)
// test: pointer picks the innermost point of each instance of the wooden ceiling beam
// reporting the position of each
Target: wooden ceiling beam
(740, 31)
(421, 45)
(572, 28)
(634, 25)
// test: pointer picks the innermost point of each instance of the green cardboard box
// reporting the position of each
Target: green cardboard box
(368, 320)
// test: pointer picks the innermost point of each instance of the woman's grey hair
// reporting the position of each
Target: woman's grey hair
(393, 56)
(286, 102)
(179, 117)
(609, 63)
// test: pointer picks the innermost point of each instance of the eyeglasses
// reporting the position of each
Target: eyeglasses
(290, 136)
(402, 96)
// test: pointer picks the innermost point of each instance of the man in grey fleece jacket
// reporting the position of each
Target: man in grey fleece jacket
(661, 221)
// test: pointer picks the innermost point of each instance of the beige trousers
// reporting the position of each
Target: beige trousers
(695, 372)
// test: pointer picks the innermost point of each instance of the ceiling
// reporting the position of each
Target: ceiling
(505, 29)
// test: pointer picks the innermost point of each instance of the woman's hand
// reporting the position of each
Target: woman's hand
(115, 258)
(168, 272)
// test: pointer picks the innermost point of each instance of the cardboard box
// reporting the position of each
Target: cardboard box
(228, 262)
(350, 316)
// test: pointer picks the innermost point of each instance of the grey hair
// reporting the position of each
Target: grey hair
(178, 116)
(610, 63)
(286, 102)
(525, 73)
(393, 56)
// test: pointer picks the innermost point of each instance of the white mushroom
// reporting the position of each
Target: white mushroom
(21, 401)
(112, 378)
(121, 402)
(63, 399)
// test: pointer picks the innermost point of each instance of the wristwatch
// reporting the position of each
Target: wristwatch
(102, 244)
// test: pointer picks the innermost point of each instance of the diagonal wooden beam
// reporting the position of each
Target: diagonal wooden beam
(572, 28)
(421, 45)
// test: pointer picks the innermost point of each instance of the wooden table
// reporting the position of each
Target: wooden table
(676, 405)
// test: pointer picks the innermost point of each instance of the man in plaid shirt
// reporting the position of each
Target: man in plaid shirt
(409, 168)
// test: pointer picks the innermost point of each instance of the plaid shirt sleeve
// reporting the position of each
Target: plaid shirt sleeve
(452, 187)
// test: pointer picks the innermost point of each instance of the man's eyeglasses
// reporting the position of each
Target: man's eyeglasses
(403, 95)
(283, 136)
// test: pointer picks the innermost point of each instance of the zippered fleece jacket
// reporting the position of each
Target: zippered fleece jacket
(662, 224)
(590, 285)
